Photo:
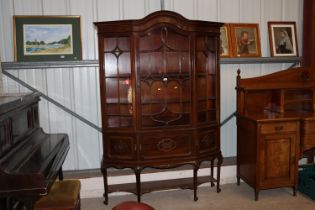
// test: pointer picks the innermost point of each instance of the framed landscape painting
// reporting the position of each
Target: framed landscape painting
(47, 38)
(282, 39)
(245, 40)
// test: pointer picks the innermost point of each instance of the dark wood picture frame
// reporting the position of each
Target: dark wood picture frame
(283, 39)
(225, 41)
(47, 38)
(245, 40)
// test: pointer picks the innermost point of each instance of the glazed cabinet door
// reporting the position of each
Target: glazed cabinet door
(164, 77)
(278, 151)
(207, 79)
(117, 101)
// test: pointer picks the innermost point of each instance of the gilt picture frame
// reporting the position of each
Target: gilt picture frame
(283, 39)
(225, 41)
(245, 40)
(47, 38)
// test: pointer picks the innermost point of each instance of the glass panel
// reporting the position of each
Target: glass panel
(202, 117)
(212, 116)
(164, 69)
(125, 91)
(201, 87)
(201, 62)
(151, 41)
(110, 44)
(151, 63)
(124, 64)
(112, 94)
(206, 54)
(173, 91)
(157, 92)
(177, 62)
(117, 121)
(211, 86)
(211, 104)
(110, 64)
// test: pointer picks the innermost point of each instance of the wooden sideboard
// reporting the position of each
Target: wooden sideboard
(275, 127)
(160, 95)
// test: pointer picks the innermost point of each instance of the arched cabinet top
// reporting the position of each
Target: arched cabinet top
(155, 19)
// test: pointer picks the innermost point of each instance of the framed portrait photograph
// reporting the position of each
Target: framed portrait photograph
(245, 40)
(47, 38)
(282, 39)
(225, 41)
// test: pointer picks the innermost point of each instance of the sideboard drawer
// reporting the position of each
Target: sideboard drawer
(278, 127)
(165, 146)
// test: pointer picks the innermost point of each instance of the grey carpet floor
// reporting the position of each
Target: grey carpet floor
(231, 197)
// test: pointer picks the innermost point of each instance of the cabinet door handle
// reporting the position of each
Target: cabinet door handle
(279, 128)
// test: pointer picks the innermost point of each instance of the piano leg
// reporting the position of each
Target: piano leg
(3, 203)
(60, 174)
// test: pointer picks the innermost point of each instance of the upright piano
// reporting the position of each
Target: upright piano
(30, 159)
(275, 127)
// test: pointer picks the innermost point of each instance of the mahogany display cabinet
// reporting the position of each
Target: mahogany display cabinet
(160, 96)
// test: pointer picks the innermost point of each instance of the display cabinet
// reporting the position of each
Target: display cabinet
(160, 96)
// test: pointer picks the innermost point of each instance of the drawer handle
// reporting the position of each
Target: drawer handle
(279, 128)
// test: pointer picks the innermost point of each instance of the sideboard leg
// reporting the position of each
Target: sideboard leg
(256, 195)
(211, 172)
(294, 190)
(138, 172)
(220, 160)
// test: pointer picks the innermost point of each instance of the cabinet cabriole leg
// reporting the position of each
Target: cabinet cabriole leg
(105, 195)
(211, 172)
(220, 160)
(195, 183)
(138, 182)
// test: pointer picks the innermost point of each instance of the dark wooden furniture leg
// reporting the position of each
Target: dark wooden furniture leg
(220, 160)
(60, 174)
(195, 182)
(211, 172)
(138, 173)
(105, 195)
(256, 195)
(238, 177)
(294, 190)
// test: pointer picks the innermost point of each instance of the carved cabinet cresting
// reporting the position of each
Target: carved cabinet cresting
(160, 96)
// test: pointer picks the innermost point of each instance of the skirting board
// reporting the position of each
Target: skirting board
(93, 187)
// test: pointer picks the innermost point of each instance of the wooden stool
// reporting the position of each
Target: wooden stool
(63, 195)
(132, 205)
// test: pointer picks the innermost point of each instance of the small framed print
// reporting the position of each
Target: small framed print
(282, 39)
(245, 40)
(225, 41)
(47, 38)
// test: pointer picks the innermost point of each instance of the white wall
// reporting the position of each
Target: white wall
(77, 88)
